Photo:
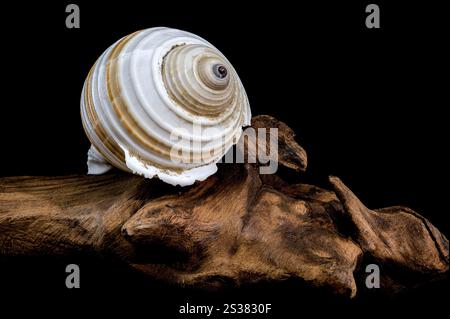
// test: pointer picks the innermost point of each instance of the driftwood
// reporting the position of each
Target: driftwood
(236, 227)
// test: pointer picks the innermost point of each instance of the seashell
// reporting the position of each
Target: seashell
(162, 103)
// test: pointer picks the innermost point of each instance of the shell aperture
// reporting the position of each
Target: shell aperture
(162, 103)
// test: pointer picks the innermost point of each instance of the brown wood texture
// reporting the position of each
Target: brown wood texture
(236, 227)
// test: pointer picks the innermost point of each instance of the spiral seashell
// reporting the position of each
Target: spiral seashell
(162, 103)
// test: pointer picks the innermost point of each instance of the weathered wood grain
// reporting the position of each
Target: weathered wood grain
(236, 227)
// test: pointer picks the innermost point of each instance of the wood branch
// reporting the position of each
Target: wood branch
(236, 227)
(398, 238)
(289, 153)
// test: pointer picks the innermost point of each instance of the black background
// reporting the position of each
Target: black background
(367, 105)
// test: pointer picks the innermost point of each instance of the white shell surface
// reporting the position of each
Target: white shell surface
(162, 103)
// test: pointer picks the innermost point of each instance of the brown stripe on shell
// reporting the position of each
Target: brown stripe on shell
(97, 126)
(121, 109)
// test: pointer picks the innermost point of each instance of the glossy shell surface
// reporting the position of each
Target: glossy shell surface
(162, 103)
